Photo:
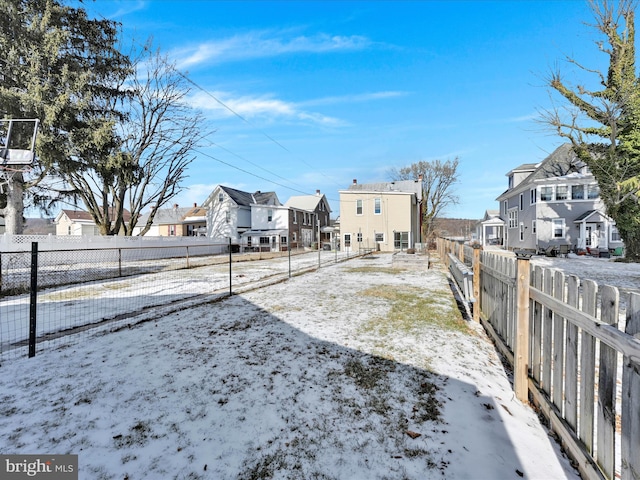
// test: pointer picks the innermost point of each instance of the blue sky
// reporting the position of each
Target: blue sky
(321, 93)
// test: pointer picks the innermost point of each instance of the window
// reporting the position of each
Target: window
(264, 240)
(347, 240)
(359, 237)
(593, 192)
(69, 230)
(558, 227)
(221, 197)
(562, 192)
(521, 202)
(377, 206)
(533, 194)
(513, 218)
(504, 207)
(400, 240)
(577, 192)
(295, 217)
(521, 232)
(228, 216)
(358, 207)
(249, 241)
(283, 240)
(615, 234)
(546, 194)
(534, 227)
(380, 237)
(294, 237)
(172, 230)
(269, 215)
(510, 181)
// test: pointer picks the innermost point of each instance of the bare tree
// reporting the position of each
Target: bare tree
(144, 161)
(438, 181)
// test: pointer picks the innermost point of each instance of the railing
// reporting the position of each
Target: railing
(575, 351)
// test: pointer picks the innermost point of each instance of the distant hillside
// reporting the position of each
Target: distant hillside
(455, 227)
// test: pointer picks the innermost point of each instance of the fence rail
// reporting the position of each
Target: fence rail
(575, 350)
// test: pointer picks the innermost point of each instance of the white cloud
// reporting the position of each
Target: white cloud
(261, 44)
(223, 104)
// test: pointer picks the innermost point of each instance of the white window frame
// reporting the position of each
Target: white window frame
(359, 237)
(614, 234)
(513, 218)
(295, 217)
(583, 192)
(505, 208)
(379, 236)
(377, 206)
(557, 193)
(521, 202)
(533, 196)
(521, 228)
(593, 188)
(550, 194)
(534, 227)
(558, 223)
(359, 208)
(269, 215)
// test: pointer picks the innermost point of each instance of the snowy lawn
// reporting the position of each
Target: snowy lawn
(356, 371)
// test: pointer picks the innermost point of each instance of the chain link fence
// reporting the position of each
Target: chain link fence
(80, 291)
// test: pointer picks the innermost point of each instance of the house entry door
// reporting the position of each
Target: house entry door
(347, 242)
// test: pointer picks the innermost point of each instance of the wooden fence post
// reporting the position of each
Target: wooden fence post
(521, 347)
(477, 248)
(631, 398)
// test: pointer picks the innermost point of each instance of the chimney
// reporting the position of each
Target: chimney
(420, 177)
(317, 192)
(175, 206)
(355, 181)
(195, 205)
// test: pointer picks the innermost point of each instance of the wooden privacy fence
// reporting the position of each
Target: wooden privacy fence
(575, 351)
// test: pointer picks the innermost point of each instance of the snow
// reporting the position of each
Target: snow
(300, 380)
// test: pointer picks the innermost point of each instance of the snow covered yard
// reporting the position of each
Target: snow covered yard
(356, 371)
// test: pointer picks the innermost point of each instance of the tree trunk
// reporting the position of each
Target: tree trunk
(14, 211)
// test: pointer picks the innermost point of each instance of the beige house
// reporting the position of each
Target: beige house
(381, 216)
(175, 222)
(79, 222)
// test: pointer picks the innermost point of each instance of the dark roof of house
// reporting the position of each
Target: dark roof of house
(245, 199)
(561, 162)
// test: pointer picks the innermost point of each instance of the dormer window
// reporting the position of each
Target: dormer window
(510, 181)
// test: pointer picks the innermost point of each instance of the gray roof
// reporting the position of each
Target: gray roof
(404, 186)
(562, 161)
(245, 199)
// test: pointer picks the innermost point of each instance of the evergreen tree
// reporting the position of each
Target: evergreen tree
(603, 124)
(63, 68)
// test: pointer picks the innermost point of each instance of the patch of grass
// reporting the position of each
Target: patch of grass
(80, 293)
(265, 467)
(368, 269)
(413, 308)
